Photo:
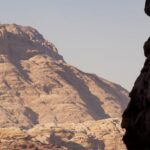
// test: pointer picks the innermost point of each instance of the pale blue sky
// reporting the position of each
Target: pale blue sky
(104, 37)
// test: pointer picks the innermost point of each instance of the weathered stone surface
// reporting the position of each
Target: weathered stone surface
(136, 118)
(38, 86)
(91, 135)
(104, 135)
(24, 144)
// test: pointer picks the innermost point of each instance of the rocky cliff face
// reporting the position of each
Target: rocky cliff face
(136, 118)
(90, 135)
(37, 86)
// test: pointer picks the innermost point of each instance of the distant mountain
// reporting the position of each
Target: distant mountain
(37, 86)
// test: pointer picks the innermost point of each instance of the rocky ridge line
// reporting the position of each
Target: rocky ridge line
(37, 85)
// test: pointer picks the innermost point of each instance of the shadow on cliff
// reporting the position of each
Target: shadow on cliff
(31, 115)
(24, 49)
(116, 90)
(71, 145)
(92, 102)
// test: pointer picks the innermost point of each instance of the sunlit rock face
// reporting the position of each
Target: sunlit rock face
(136, 118)
(38, 86)
(91, 135)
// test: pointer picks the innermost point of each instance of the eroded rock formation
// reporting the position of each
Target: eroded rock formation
(92, 135)
(136, 118)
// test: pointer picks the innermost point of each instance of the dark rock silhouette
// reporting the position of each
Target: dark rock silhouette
(147, 7)
(136, 117)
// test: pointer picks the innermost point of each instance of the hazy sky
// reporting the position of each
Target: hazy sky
(104, 37)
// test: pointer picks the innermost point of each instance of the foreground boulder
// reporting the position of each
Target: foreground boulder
(136, 118)
(147, 7)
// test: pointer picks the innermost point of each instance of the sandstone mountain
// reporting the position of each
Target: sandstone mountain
(38, 86)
